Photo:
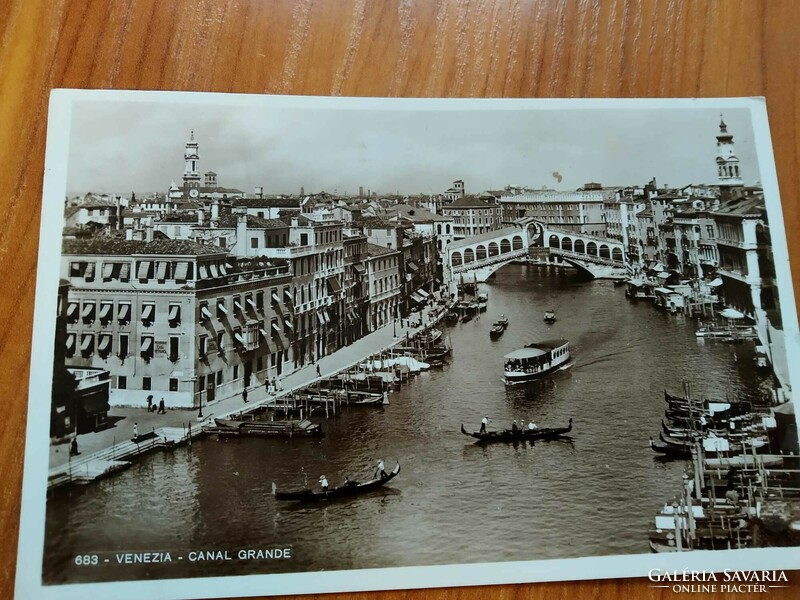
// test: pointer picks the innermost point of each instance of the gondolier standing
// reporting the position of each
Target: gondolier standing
(323, 483)
(484, 423)
(381, 469)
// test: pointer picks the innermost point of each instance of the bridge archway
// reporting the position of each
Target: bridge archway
(516, 242)
(480, 252)
(604, 253)
(469, 256)
(553, 241)
(580, 247)
(494, 249)
(591, 249)
(456, 259)
(505, 246)
(616, 254)
(566, 243)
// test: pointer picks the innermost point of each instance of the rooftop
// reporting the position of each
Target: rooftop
(470, 202)
(375, 250)
(105, 245)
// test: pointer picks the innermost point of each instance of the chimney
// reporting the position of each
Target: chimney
(295, 222)
(129, 233)
(259, 192)
(118, 214)
(215, 210)
(148, 233)
(242, 243)
(200, 216)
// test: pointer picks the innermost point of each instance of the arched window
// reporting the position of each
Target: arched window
(604, 253)
(505, 246)
(566, 244)
(591, 249)
(455, 259)
(494, 249)
(469, 256)
(616, 254)
(447, 228)
(580, 247)
(736, 169)
(439, 229)
(481, 252)
(553, 243)
(516, 242)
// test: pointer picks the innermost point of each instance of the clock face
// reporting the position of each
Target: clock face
(194, 193)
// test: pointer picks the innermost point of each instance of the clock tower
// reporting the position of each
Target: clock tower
(727, 162)
(191, 172)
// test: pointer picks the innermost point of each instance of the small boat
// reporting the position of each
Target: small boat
(549, 316)
(496, 331)
(304, 428)
(536, 360)
(351, 489)
(508, 435)
(620, 282)
(451, 318)
(466, 317)
(670, 450)
(503, 320)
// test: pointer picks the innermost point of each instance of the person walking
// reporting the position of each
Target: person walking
(244, 395)
(150, 403)
(318, 372)
(161, 409)
(136, 431)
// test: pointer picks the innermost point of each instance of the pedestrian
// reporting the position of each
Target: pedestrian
(244, 395)
(318, 372)
(150, 403)
(279, 383)
(136, 431)
(484, 423)
(161, 409)
(73, 448)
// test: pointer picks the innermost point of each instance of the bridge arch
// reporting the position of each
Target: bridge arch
(456, 259)
(591, 249)
(616, 254)
(566, 243)
(480, 252)
(494, 249)
(604, 252)
(553, 241)
(517, 243)
(580, 247)
(505, 246)
(469, 255)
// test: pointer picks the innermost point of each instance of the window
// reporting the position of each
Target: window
(76, 269)
(238, 309)
(304, 239)
(88, 312)
(146, 383)
(205, 314)
(203, 345)
(219, 377)
(122, 382)
(221, 341)
(106, 312)
(174, 316)
(260, 300)
(222, 242)
(148, 313)
(123, 345)
(260, 363)
(124, 314)
(201, 383)
(221, 310)
(104, 344)
(88, 275)
(254, 242)
(174, 343)
(236, 371)
(87, 344)
(147, 347)
(173, 384)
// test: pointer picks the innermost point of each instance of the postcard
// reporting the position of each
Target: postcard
(295, 345)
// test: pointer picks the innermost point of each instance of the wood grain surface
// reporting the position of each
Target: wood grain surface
(455, 48)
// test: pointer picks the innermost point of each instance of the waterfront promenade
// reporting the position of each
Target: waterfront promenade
(121, 432)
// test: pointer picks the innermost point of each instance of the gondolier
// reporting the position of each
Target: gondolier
(323, 483)
(381, 469)
(484, 423)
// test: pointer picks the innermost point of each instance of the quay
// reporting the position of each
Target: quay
(108, 451)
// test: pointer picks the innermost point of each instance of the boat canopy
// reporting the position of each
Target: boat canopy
(666, 291)
(524, 353)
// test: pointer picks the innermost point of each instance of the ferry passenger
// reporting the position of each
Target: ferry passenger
(532, 426)
(484, 423)
(514, 428)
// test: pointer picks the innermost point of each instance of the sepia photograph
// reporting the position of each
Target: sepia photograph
(342, 337)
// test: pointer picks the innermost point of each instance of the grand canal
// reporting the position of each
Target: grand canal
(453, 501)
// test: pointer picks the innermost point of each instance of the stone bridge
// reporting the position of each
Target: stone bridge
(476, 258)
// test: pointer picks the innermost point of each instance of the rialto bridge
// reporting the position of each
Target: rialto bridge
(476, 258)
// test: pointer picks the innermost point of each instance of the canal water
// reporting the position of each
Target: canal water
(453, 501)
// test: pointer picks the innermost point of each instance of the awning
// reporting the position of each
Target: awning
(148, 310)
(423, 293)
(88, 310)
(181, 271)
(213, 269)
(250, 302)
(237, 305)
(658, 267)
(223, 269)
(327, 316)
(665, 291)
(204, 312)
(413, 266)
(70, 342)
(86, 341)
(238, 337)
(360, 269)
(174, 312)
(105, 343)
(275, 298)
(320, 318)
(732, 313)
(275, 327)
(72, 310)
(288, 295)
(161, 270)
(125, 312)
(333, 285)
(105, 310)
(287, 323)
(144, 269)
(417, 297)
(147, 344)
(715, 283)
(89, 274)
(664, 275)
(108, 269)
(221, 307)
(263, 332)
(203, 271)
(125, 271)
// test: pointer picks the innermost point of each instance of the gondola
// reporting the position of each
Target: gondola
(352, 489)
(451, 318)
(507, 435)
(671, 451)
(549, 316)
(503, 320)
(496, 331)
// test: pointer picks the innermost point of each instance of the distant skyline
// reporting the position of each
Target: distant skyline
(138, 146)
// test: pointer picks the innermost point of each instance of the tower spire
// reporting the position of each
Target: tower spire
(728, 173)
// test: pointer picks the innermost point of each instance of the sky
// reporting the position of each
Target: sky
(138, 146)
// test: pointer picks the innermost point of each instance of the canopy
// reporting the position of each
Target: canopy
(732, 313)
(715, 283)
(664, 275)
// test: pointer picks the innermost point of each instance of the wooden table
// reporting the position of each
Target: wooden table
(458, 48)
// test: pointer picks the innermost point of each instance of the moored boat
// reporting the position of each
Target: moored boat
(304, 428)
(451, 318)
(351, 488)
(536, 360)
(521, 434)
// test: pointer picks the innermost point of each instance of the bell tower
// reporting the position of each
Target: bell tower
(191, 172)
(727, 162)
